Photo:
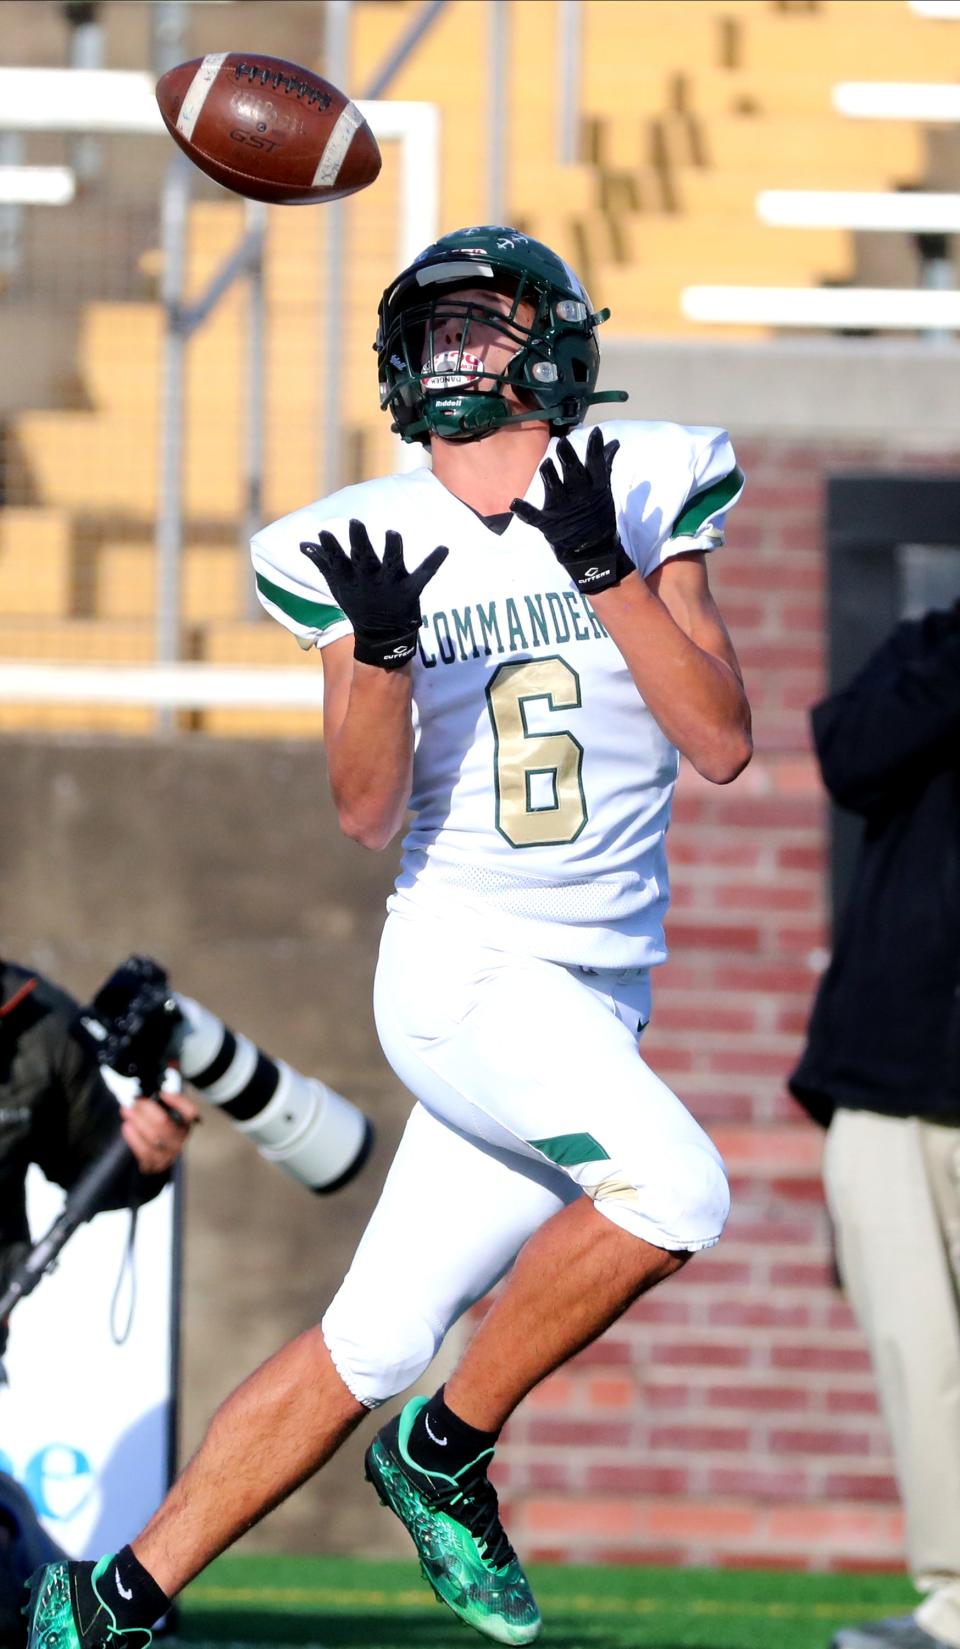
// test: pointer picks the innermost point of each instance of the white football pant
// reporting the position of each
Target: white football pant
(531, 1092)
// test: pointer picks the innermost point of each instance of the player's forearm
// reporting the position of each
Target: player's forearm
(370, 756)
(696, 698)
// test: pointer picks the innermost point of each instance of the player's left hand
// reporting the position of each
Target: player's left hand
(579, 516)
(156, 1130)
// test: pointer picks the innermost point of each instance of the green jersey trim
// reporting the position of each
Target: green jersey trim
(704, 504)
(568, 1150)
(319, 615)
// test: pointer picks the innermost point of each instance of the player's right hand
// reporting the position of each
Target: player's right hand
(380, 597)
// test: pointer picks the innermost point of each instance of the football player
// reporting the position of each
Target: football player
(518, 641)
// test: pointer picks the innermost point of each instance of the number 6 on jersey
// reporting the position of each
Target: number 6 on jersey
(537, 776)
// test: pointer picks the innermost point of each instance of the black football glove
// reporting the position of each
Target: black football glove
(579, 517)
(380, 598)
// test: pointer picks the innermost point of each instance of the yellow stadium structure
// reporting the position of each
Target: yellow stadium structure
(688, 109)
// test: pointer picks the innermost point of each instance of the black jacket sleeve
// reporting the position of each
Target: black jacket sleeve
(79, 1117)
(897, 721)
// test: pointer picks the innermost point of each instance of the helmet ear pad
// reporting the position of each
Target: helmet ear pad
(576, 358)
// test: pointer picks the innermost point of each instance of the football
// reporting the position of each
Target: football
(268, 129)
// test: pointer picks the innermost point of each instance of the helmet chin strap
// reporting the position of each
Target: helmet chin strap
(488, 413)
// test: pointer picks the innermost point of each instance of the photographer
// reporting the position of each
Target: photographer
(57, 1111)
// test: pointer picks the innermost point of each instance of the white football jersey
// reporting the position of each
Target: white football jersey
(542, 784)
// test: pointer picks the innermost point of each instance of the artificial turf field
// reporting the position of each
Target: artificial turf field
(334, 1602)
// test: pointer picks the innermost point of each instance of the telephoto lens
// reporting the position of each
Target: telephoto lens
(296, 1121)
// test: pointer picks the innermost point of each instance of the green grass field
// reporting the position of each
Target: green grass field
(334, 1602)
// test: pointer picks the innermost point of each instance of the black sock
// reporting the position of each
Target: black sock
(131, 1593)
(441, 1442)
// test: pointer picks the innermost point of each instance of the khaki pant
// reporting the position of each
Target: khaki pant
(893, 1189)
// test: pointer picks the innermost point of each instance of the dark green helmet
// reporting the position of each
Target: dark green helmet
(443, 392)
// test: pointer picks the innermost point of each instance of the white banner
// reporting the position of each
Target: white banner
(86, 1425)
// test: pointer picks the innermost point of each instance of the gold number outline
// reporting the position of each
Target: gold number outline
(511, 667)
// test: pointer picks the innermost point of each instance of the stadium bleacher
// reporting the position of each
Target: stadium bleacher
(689, 109)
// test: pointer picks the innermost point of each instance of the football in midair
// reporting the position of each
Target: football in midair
(268, 129)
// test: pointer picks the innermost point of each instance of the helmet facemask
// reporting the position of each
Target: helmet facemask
(465, 397)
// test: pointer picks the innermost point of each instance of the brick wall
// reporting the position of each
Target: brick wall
(730, 1418)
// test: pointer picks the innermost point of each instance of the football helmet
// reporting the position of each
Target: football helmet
(432, 390)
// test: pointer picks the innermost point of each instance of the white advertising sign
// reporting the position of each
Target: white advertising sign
(86, 1424)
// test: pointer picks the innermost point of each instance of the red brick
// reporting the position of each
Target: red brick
(704, 1017)
(756, 1483)
(612, 1393)
(774, 500)
(799, 536)
(759, 1062)
(775, 812)
(662, 1308)
(780, 655)
(862, 1402)
(757, 1314)
(803, 615)
(806, 1440)
(860, 1486)
(666, 1397)
(832, 1359)
(702, 851)
(784, 575)
(856, 1564)
(769, 977)
(698, 1439)
(776, 1399)
(749, 1559)
(556, 1392)
(581, 1434)
(792, 1275)
(667, 1557)
(699, 1354)
(637, 1479)
(725, 937)
(610, 1352)
(548, 1477)
(762, 896)
(803, 856)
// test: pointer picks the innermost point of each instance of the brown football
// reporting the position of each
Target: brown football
(268, 129)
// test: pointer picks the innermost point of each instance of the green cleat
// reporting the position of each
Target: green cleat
(455, 1525)
(67, 1611)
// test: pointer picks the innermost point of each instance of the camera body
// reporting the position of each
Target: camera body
(141, 1027)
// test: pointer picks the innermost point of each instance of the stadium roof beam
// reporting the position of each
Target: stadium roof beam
(911, 212)
(898, 100)
(833, 309)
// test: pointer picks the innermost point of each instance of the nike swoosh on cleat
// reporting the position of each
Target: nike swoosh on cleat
(440, 1441)
(121, 1588)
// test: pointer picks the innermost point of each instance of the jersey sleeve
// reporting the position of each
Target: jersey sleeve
(290, 588)
(680, 484)
(716, 484)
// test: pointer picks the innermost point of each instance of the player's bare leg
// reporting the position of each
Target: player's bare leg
(269, 1435)
(572, 1279)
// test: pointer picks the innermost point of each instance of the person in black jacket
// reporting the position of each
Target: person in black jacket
(882, 1071)
(57, 1111)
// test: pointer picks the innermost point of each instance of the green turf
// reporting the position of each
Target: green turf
(331, 1603)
